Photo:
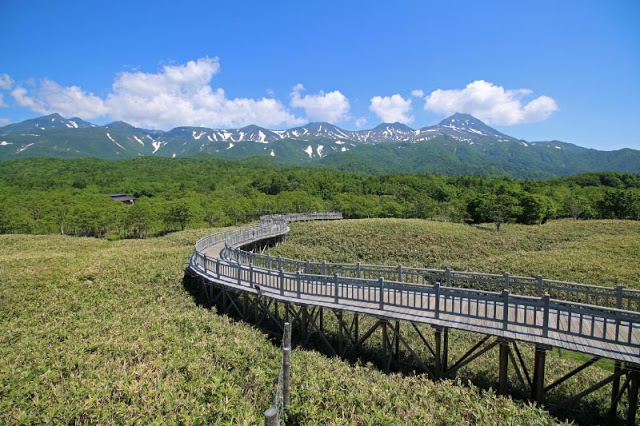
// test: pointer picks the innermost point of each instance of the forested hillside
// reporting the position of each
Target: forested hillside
(70, 196)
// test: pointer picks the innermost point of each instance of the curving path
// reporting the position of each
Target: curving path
(596, 320)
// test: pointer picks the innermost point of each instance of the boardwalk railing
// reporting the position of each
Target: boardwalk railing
(543, 311)
(275, 414)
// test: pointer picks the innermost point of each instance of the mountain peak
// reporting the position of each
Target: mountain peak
(396, 126)
(462, 120)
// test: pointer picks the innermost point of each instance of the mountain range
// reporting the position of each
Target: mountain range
(460, 144)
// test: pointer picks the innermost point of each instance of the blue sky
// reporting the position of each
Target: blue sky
(541, 70)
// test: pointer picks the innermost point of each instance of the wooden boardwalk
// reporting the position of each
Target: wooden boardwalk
(580, 332)
(602, 322)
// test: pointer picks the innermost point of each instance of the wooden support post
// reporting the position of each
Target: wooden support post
(340, 334)
(245, 303)
(224, 301)
(445, 351)
(271, 417)
(438, 339)
(355, 326)
(634, 381)
(385, 343)
(286, 365)
(322, 320)
(537, 387)
(615, 388)
(397, 339)
(503, 367)
(305, 321)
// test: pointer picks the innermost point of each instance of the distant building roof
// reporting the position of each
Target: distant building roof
(124, 198)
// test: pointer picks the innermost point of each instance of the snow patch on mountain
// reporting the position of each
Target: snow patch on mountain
(22, 148)
(157, 145)
(114, 141)
(309, 151)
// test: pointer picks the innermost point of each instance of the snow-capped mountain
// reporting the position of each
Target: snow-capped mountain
(35, 126)
(462, 127)
(459, 144)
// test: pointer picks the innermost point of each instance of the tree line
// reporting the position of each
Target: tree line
(42, 196)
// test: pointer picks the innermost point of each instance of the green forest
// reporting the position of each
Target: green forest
(70, 197)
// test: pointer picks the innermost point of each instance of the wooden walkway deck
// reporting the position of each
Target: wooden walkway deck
(578, 332)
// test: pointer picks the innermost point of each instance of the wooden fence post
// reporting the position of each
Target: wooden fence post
(271, 417)
(281, 282)
(286, 365)
(545, 316)
(381, 281)
(298, 284)
(505, 307)
(336, 288)
(400, 273)
(436, 288)
(540, 283)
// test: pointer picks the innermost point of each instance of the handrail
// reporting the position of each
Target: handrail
(599, 313)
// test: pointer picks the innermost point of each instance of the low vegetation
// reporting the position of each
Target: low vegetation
(601, 252)
(96, 331)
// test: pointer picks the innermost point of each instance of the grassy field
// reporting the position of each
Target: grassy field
(602, 252)
(595, 252)
(93, 331)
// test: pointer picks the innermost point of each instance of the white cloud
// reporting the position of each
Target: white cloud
(492, 104)
(182, 96)
(360, 122)
(418, 93)
(20, 95)
(6, 82)
(392, 108)
(4, 121)
(69, 101)
(332, 107)
(177, 95)
(2, 104)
